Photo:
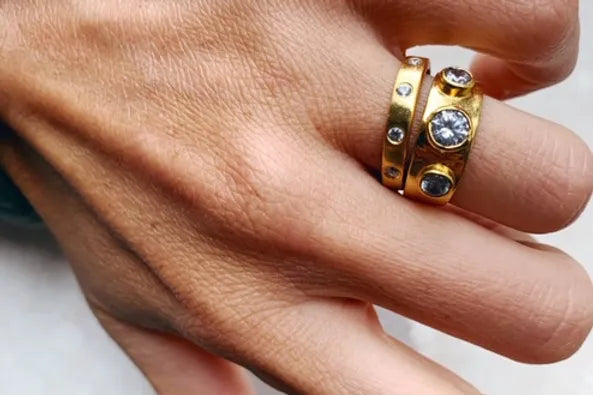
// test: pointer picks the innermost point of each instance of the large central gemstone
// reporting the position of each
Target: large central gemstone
(450, 128)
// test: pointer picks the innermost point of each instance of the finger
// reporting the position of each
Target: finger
(337, 346)
(175, 366)
(505, 79)
(523, 171)
(533, 305)
(510, 233)
(495, 227)
(528, 44)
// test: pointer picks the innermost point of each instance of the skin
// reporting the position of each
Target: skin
(205, 167)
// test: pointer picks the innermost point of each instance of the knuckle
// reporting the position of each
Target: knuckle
(267, 189)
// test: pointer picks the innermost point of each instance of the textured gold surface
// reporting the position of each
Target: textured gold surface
(428, 155)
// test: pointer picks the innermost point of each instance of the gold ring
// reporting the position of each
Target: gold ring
(404, 99)
(449, 125)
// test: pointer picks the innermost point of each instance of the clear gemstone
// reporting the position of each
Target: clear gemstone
(435, 185)
(404, 89)
(392, 172)
(458, 76)
(450, 128)
(414, 61)
(396, 135)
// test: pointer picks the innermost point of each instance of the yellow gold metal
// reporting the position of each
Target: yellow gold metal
(430, 157)
(404, 100)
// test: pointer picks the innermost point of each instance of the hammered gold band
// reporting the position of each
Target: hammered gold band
(402, 111)
(449, 125)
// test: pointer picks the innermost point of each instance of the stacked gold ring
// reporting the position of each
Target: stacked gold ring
(449, 125)
(431, 173)
(406, 93)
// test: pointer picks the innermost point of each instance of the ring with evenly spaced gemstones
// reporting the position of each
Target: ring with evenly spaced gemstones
(404, 100)
(449, 125)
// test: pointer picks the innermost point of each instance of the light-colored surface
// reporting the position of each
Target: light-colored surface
(51, 344)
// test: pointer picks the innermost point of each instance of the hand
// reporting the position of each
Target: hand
(204, 166)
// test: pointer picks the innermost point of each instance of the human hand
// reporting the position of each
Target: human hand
(212, 157)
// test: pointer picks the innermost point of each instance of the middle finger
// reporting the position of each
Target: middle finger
(528, 303)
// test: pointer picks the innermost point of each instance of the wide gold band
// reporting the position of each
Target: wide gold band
(449, 125)
(401, 117)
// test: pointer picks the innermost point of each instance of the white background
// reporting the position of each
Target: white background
(51, 344)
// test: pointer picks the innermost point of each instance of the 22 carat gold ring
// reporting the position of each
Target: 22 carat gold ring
(449, 126)
(404, 100)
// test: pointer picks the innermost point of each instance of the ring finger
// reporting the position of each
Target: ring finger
(523, 171)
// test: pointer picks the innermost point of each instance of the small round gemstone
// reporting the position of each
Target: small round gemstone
(392, 172)
(414, 61)
(457, 76)
(404, 89)
(435, 185)
(396, 135)
(450, 128)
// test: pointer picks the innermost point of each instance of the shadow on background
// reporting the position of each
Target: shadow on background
(31, 238)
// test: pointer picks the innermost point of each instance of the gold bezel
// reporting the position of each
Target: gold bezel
(451, 88)
(442, 170)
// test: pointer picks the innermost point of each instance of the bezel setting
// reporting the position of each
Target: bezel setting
(449, 128)
(396, 135)
(458, 77)
(437, 181)
(392, 172)
(404, 89)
